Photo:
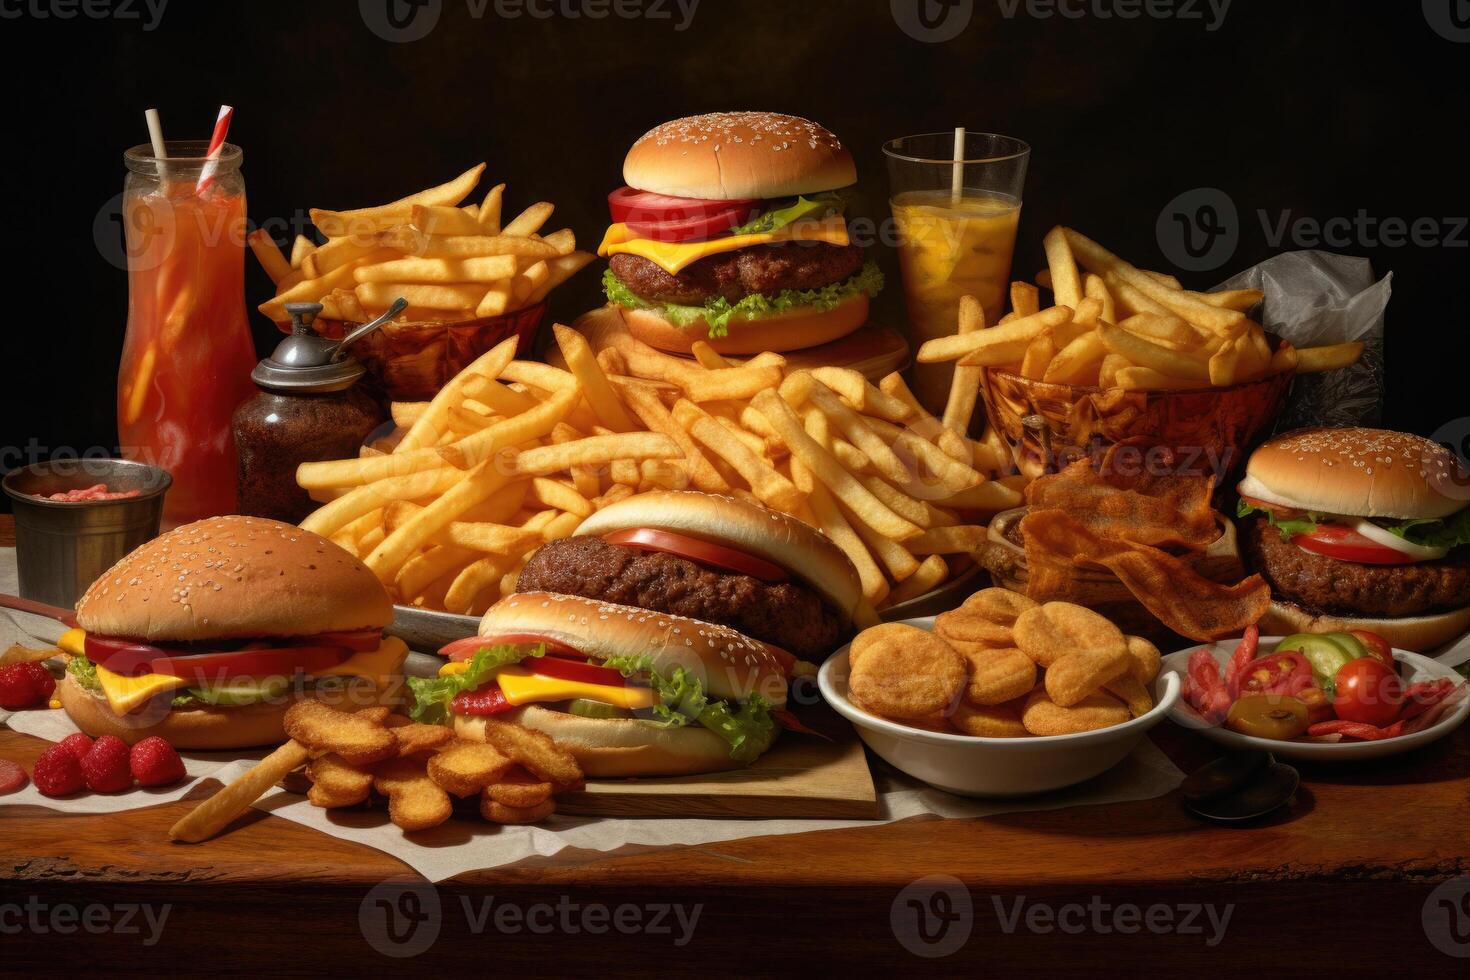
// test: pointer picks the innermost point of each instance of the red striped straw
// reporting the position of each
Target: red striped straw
(216, 145)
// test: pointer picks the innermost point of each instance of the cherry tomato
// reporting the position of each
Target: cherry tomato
(1345, 544)
(700, 552)
(470, 645)
(1286, 672)
(1378, 648)
(629, 204)
(1368, 692)
(574, 670)
(487, 700)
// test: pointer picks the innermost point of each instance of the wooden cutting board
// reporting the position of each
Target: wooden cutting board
(802, 776)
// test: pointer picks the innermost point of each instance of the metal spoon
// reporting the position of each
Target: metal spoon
(1240, 787)
(339, 351)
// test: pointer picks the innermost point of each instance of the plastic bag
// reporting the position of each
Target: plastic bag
(1315, 298)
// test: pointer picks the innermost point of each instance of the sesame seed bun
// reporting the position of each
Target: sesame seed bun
(728, 663)
(1358, 472)
(795, 329)
(231, 577)
(780, 539)
(725, 156)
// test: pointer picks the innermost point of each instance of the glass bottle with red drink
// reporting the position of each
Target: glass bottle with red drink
(188, 354)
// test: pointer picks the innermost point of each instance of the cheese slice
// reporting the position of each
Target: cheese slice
(520, 686)
(125, 694)
(675, 256)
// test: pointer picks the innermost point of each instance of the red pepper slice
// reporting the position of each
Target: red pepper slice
(487, 700)
(1206, 691)
(1245, 653)
(1420, 697)
(791, 722)
(1357, 729)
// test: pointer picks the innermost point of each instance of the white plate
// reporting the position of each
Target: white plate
(971, 766)
(1415, 668)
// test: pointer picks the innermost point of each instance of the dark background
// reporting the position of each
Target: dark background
(1323, 109)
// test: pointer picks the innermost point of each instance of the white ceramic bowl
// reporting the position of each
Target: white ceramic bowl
(972, 766)
(1415, 668)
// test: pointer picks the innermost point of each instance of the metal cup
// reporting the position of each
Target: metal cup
(62, 548)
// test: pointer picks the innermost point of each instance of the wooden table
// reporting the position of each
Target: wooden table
(1341, 883)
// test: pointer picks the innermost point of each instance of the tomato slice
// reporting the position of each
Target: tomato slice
(576, 670)
(630, 204)
(1343, 543)
(696, 229)
(1285, 513)
(700, 552)
(470, 645)
(120, 656)
(1277, 673)
(487, 700)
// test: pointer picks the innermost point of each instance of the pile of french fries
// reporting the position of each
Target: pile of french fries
(451, 261)
(512, 454)
(1113, 325)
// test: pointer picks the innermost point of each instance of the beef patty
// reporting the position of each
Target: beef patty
(735, 275)
(786, 614)
(1328, 585)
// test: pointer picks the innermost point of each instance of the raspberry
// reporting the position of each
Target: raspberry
(57, 772)
(12, 777)
(106, 766)
(25, 686)
(155, 763)
(78, 744)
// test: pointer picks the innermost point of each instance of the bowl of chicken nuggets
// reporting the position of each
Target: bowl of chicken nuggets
(1003, 696)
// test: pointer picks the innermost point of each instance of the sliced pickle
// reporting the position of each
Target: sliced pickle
(596, 709)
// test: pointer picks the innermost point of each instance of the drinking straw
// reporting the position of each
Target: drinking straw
(216, 144)
(957, 174)
(155, 134)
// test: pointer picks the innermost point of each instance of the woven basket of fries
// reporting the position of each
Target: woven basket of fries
(1216, 427)
(412, 361)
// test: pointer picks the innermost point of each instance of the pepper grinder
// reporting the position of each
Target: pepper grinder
(309, 409)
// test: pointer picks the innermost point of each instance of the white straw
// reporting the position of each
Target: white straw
(957, 175)
(155, 136)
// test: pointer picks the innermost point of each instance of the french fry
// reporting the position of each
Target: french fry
(338, 224)
(1065, 285)
(301, 247)
(801, 386)
(1100, 260)
(423, 570)
(1025, 299)
(860, 393)
(514, 431)
(1167, 330)
(473, 579)
(552, 493)
(930, 462)
(332, 517)
(1107, 373)
(1285, 359)
(1078, 362)
(559, 270)
(706, 356)
(529, 221)
(431, 423)
(1144, 353)
(894, 557)
(595, 386)
(836, 527)
(931, 572)
(952, 441)
(495, 539)
(416, 270)
(1243, 300)
(593, 451)
(1020, 331)
(646, 404)
(955, 539)
(434, 219)
(489, 216)
(218, 811)
(1138, 378)
(276, 265)
(698, 384)
(477, 485)
(1039, 354)
(446, 297)
(767, 484)
(1094, 288)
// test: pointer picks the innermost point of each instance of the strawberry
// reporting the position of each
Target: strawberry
(106, 766)
(25, 686)
(57, 772)
(12, 777)
(78, 744)
(155, 763)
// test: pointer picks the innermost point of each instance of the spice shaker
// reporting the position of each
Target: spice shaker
(309, 408)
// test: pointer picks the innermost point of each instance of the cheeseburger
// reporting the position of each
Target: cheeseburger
(207, 634)
(627, 691)
(730, 229)
(712, 558)
(1361, 529)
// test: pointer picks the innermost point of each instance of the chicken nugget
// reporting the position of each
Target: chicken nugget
(415, 802)
(999, 606)
(998, 676)
(336, 784)
(1043, 716)
(871, 638)
(1077, 675)
(520, 789)
(497, 812)
(466, 768)
(990, 721)
(359, 739)
(1057, 629)
(1126, 688)
(1146, 658)
(958, 626)
(909, 673)
(416, 737)
(534, 750)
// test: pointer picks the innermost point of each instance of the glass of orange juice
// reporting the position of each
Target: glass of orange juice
(956, 217)
(188, 353)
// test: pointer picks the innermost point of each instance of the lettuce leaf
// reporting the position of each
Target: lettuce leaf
(1448, 532)
(432, 694)
(718, 311)
(804, 208)
(85, 673)
(1289, 527)
(749, 730)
